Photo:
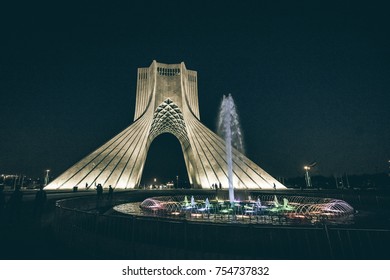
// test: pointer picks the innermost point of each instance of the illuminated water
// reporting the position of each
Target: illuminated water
(267, 209)
(229, 129)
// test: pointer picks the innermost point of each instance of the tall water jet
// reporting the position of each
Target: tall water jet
(229, 129)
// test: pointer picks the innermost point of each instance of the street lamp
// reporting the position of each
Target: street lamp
(307, 176)
(47, 177)
(177, 181)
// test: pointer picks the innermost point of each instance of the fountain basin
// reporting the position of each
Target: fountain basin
(264, 210)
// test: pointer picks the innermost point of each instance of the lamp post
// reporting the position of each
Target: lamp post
(47, 177)
(15, 179)
(177, 181)
(307, 176)
(21, 181)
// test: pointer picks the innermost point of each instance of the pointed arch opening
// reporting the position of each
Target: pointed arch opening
(164, 162)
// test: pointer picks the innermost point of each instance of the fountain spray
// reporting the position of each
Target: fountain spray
(229, 129)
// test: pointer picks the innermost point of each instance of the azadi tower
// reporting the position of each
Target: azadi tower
(167, 102)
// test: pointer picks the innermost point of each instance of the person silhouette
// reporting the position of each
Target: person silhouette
(110, 192)
(99, 191)
(39, 202)
(14, 205)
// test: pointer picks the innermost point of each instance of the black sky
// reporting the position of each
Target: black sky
(310, 79)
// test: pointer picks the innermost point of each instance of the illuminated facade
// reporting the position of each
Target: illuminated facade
(166, 102)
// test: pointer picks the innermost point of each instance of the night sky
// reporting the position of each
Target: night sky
(310, 79)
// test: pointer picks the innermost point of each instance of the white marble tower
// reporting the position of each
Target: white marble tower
(167, 102)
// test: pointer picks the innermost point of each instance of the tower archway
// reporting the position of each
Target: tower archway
(165, 163)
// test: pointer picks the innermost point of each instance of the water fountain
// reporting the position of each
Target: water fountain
(262, 210)
(266, 209)
(229, 129)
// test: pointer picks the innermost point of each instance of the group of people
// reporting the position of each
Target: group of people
(216, 186)
(99, 191)
(11, 208)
